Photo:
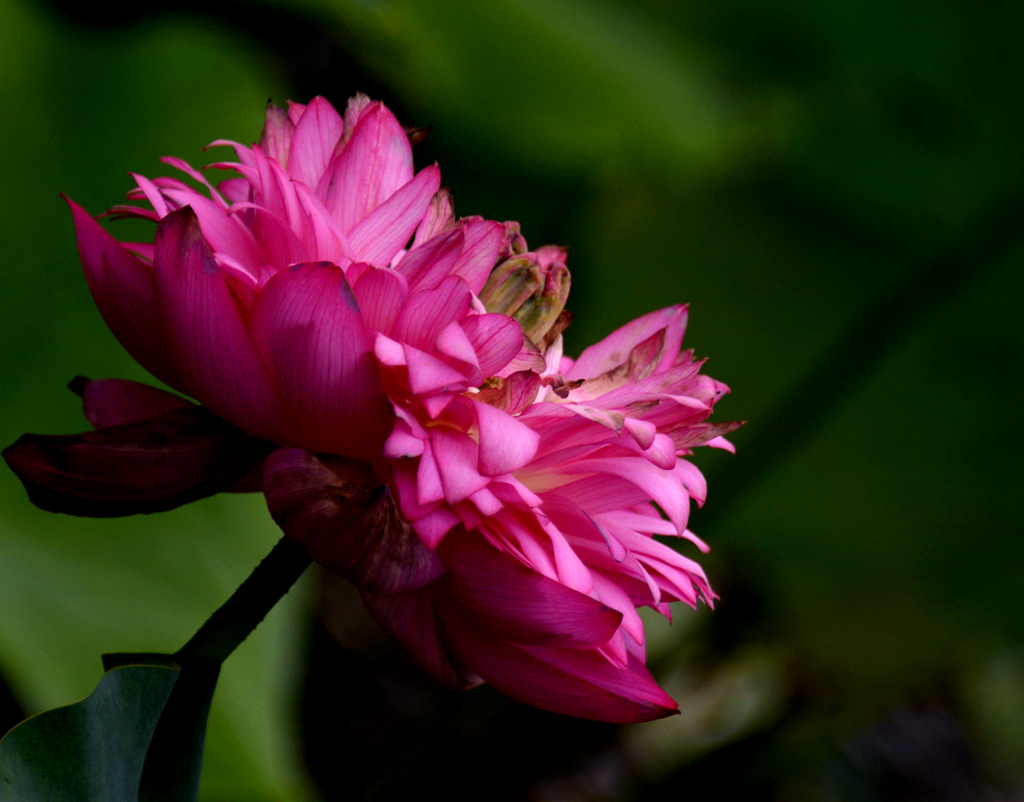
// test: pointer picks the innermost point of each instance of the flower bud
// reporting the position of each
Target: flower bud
(532, 288)
(515, 242)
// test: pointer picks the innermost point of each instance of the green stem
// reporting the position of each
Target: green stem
(248, 606)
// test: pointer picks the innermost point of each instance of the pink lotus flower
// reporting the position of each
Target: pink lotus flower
(494, 501)
(546, 563)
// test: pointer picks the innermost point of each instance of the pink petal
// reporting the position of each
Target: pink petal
(356, 107)
(573, 682)
(381, 293)
(110, 402)
(272, 185)
(223, 232)
(693, 480)
(280, 246)
(429, 375)
(402, 443)
(506, 444)
(643, 432)
(195, 175)
(453, 342)
(428, 265)
(295, 111)
(326, 239)
(429, 489)
(481, 246)
(497, 339)
(375, 162)
(456, 457)
(387, 229)
(662, 451)
(427, 312)
(615, 349)
(722, 443)
(660, 485)
(276, 138)
(603, 493)
(529, 358)
(122, 286)
(235, 189)
(307, 324)
(433, 526)
(615, 597)
(498, 593)
(151, 193)
(316, 134)
(440, 217)
(698, 434)
(208, 342)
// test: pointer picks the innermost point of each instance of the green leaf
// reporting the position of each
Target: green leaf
(92, 750)
(175, 757)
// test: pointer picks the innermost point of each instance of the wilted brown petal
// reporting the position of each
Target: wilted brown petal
(346, 522)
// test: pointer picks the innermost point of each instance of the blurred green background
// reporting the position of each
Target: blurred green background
(838, 192)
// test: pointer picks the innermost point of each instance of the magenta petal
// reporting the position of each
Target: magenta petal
(207, 339)
(387, 229)
(573, 682)
(345, 523)
(662, 486)
(374, 163)
(427, 312)
(662, 452)
(281, 247)
(321, 232)
(295, 111)
(111, 402)
(428, 374)
(496, 592)
(529, 358)
(506, 444)
(122, 286)
(456, 456)
(223, 232)
(481, 246)
(434, 525)
(496, 338)
(316, 134)
(429, 264)
(440, 217)
(276, 139)
(151, 466)
(307, 323)
(453, 342)
(381, 293)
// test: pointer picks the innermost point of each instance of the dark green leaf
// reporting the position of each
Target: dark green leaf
(92, 750)
(175, 757)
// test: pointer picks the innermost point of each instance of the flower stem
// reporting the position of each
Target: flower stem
(231, 624)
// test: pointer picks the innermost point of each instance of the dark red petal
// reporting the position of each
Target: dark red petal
(411, 619)
(346, 523)
(150, 466)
